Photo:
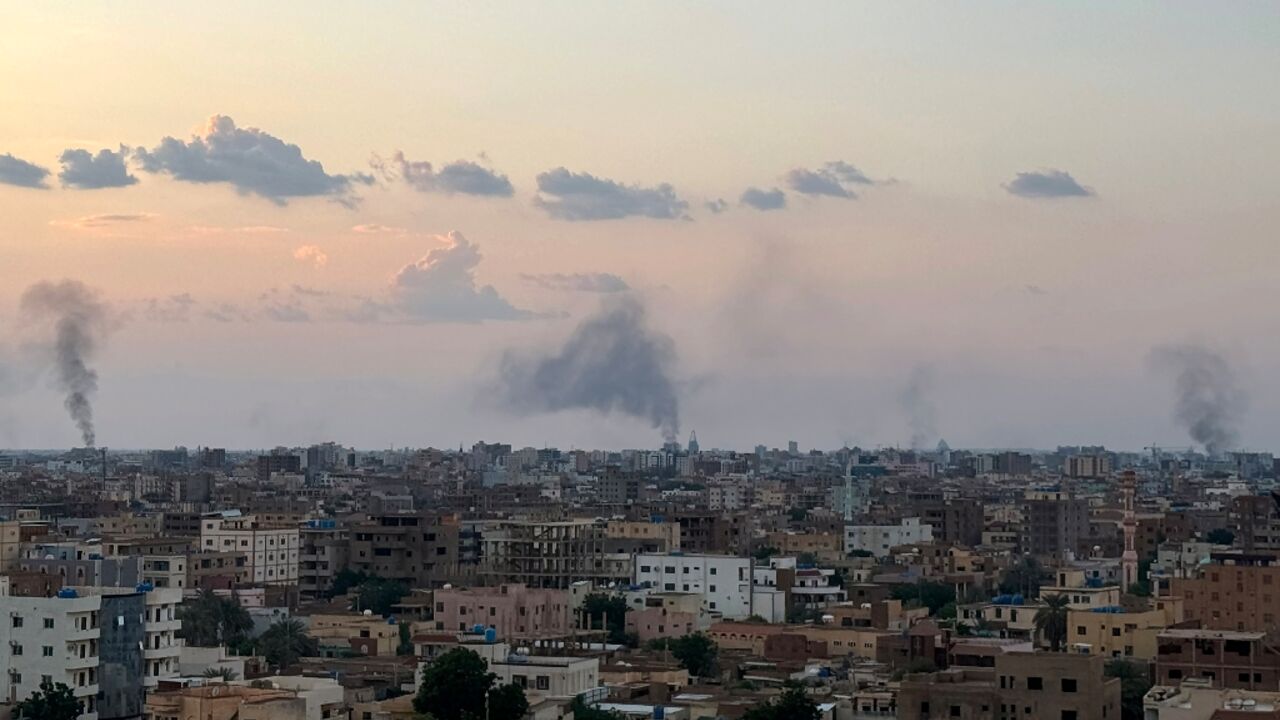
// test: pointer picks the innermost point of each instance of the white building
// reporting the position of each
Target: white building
(879, 539)
(723, 581)
(540, 675)
(271, 551)
(105, 644)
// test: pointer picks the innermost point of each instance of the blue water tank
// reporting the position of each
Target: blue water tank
(1017, 600)
(659, 712)
(144, 587)
(490, 635)
(391, 620)
(477, 629)
(68, 593)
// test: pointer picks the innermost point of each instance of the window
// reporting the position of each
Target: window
(1080, 630)
(543, 682)
(46, 651)
(48, 623)
(1115, 632)
(955, 711)
(1069, 715)
(17, 621)
(1068, 685)
(1035, 683)
(16, 648)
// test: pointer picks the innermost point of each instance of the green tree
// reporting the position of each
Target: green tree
(793, 704)
(613, 608)
(933, 595)
(1051, 620)
(405, 646)
(286, 641)
(345, 579)
(696, 653)
(507, 702)
(50, 702)
(379, 595)
(762, 554)
(1220, 536)
(212, 621)
(1024, 578)
(1134, 684)
(582, 711)
(861, 553)
(455, 686)
(797, 515)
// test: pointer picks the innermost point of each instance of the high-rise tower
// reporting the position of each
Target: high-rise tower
(693, 442)
(1129, 560)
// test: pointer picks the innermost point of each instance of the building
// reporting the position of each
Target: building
(1042, 686)
(551, 554)
(324, 553)
(107, 646)
(268, 464)
(723, 581)
(518, 613)
(880, 539)
(419, 549)
(1088, 466)
(1055, 524)
(270, 548)
(1235, 592)
(1116, 633)
(1196, 701)
(1220, 658)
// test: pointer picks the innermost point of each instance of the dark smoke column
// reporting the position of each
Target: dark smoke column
(1207, 400)
(78, 319)
(612, 362)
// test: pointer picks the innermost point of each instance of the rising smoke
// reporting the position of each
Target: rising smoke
(612, 362)
(77, 320)
(1207, 402)
(916, 400)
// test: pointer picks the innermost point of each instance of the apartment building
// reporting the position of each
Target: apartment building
(1054, 524)
(1219, 658)
(419, 549)
(515, 611)
(324, 553)
(1234, 592)
(550, 554)
(724, 581)
(880, 539)
(271, 548)
(654, 535)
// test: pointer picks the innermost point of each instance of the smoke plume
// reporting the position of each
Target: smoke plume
(77, 319)
(612, 362)
(1207, 402)
(917, 402)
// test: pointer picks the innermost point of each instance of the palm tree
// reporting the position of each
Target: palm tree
(286, 641)
(1051, 620)
(224, 674)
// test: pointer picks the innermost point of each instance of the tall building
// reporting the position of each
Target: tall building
(1234, 592)
(693, 442)
(270, 548)
(551, 554)
(419, 549)
(1055, 524)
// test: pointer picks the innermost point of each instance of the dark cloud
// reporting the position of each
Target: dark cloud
(832, 179)
(717, 206)
(85, 171)
(581, 196)
(462, 177)
(613, 362)
(579, 282)
(759, 199)
(1046, 184)
(15, 171)
(251, 161)
(441, 287)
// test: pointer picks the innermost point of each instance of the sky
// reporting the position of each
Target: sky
(596, 224)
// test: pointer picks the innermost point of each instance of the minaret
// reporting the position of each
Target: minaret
(693, 442)
(1129, 560)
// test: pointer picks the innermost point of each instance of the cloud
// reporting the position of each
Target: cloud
(1046, 184)
(832, 180)
(251, 161)
(462, 177)
(374, 229)
(717, 206)
(89, 222)
(759, 199)
(581, 196)
(1035, 290)
(15, 171)
(579, 282)
(85, 171)
(243, 230)
(441, 287)
(311, 254)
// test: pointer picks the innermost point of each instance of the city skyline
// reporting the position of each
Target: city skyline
(846, 223)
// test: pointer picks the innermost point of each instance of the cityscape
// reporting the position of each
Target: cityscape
(716, 360)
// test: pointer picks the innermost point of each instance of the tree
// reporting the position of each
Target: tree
(797, 515)
(806, 558)
(455, 686)
(405, 647)
(379, 595)
(933, 595)
(1220, 536)
(225, 674)
(507, 702)
(1023, 578)
(1051, 620)
(613, 608)
(696, 653)
(582, 711)
(1134, 684)
(345, 579)
(793, 704)
(861, 553)
(762, 554)
(212, 621)
(286, 641)
(50, 702)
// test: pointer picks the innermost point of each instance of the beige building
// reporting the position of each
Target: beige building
(1120, 634)
(271, 549)
(366, 634)
(664, 535)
